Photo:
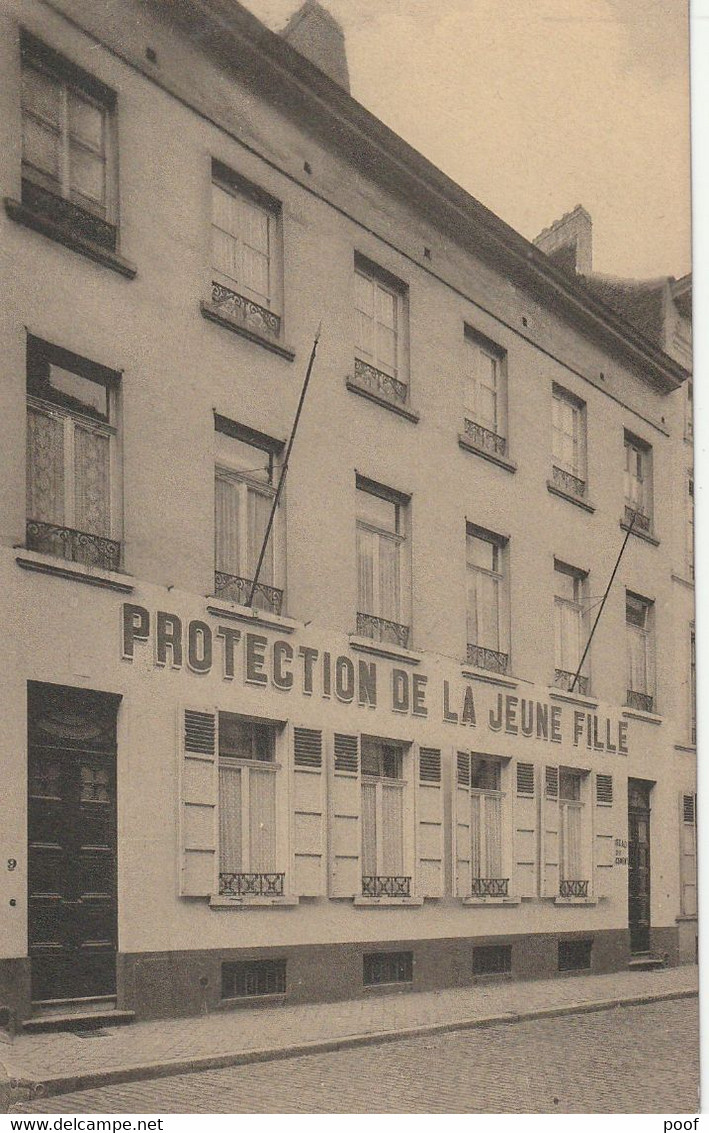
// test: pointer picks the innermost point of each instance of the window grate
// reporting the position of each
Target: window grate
(492, 960)
(388, 968)
(525, 778)
(199, 732)
(574, 955)
(307, 747)
(429, 765)
(604, 788)
(242, 979)
(346, 753)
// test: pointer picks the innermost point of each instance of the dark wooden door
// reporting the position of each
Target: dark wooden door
(72, 913)
(639, 866)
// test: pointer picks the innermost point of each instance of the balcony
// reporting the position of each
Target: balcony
(570, 889)
(564, 680)
(382, 385)
(485, 439)
(567, 482)
(237, 589)
(74, 546)
(489, 659)
(642, 521)
(381, 629)
(242, 310)
(489, 887)
(642, 701)
(373, 886)
(251, 884)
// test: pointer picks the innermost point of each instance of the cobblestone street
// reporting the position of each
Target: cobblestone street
(639, 1059)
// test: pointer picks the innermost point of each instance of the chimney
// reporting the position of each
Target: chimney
(316, 34)
(568, 242)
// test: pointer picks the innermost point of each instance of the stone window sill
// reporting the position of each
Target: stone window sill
(646, 536)
(78, 572)
(573, 697)
(234, 612)
(222, 319)
(288, 901)
(648, 717)
(65, 235)
(555, 490)
(383, 649)
(277, 999)
(488, 676)
(392, 406)
(575, 900)
(691, 749)
(688, 582)
(388, 902)
(491, 900)
(501, 461)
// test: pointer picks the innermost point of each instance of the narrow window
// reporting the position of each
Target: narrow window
(640, 652)
(383, 818)
(380, 364)
(571, 831)
(486, 828)
(485, 393)
(568, 442)
(638, 483)
(382, 598)
(486, 600)
(569, 627)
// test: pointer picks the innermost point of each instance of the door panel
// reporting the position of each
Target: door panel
(639, 866)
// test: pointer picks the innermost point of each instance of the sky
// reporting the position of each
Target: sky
(536, 106)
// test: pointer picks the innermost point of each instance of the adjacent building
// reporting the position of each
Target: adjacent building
(388, 760)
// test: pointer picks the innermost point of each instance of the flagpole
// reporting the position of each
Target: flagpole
(600, 609)
(284, 467)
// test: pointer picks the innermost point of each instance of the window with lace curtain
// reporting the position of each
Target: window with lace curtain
(73, 458)
(569, 627)
(382, 566)
(487, 599)
(248, 772)
(244, 491)
(486, 802)
(571, 827)
(568, 442)
(640, 651)
(485, 393)
(384, 870)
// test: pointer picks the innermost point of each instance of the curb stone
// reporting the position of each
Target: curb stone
(16, 1090)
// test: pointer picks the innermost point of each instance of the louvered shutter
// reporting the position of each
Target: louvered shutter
(525, 832)
(549, 806)
(308, 813)
(345, 808)
(604, 836)
(461, 812)
(199, 795)
(688, 853)
(430, 824)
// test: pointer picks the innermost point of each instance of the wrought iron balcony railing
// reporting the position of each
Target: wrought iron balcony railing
(384, 385)
(237, 589)
(489, 659)
(75, 546)
(564, 679)
(574, 485)
(251, 884)
(381, 629)
(643, 701)
(642, 521)
(489, 887)
(573, 888)
(245, 310)
(373, 886)
(485, 438)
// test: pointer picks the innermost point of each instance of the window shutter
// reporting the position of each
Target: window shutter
(549, 829)
(345, 804)
(308, 813)
(462, 846)
(688, 853)
(525, 832)
(199, 793)
(604, 821)
(430, 824)
(604, 789)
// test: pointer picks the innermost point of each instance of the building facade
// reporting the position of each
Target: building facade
(375, 767)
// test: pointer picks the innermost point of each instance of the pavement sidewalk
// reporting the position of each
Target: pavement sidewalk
(37, 1065)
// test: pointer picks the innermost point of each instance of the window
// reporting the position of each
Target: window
(638, 483)
(689, 412)
(246, 260)
(244, 491)
(688, 854)
(73, 474)
(638, 622)
(690, 524)
(692, 687)
(485, 390)
(571, 868)
(569, 627)
(382, 568)
(68, 160)
(383, 811)
(380, 339)
(568, 442)
(574, 955)
(388, 968)
(486, 802)
(248, 848)
(487, 619)
(242, 979)
(492, 960)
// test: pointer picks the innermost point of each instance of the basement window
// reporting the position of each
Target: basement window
(388, 968)
(244, 979)
(574, 955)
(492, 960)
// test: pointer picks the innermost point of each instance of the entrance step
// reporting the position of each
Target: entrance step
(81, 1015)
(646, 961)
